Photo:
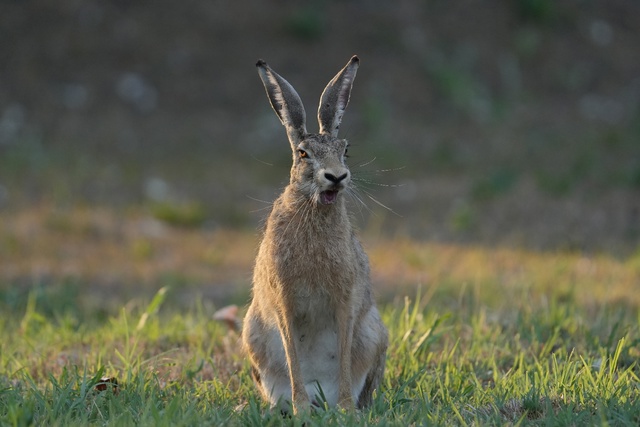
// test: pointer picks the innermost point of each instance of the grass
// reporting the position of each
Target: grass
(479, 336)
(460, 365)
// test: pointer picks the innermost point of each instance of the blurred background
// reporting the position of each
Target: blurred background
(141, 128)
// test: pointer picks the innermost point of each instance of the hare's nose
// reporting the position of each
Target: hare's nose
(335, 179)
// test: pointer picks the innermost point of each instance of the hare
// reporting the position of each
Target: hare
(312, 332)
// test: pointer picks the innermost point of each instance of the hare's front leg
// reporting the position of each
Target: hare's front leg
(299, 396)
(344, 317)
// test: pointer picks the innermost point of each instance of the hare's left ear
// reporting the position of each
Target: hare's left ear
(335, 98)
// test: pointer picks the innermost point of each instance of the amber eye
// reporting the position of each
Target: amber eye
(303, 154)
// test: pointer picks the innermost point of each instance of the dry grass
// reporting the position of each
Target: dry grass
(110, 248)
(590, 279)
(117, 249)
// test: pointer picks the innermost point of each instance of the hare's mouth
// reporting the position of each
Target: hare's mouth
(328, 197)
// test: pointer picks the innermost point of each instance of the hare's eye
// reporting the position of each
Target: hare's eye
(346, 151)
(303, 154)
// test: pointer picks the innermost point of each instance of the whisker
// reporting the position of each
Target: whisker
(380, 171)
(353, 193)
(268, 207)
(367, 163)
(309, 205)
(258, 200)
(367, 181)
(399, 168)
(261, 161)
(380, 203)
(300, 208)
(260, 209)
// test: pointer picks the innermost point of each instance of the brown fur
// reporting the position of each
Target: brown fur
(311, 277)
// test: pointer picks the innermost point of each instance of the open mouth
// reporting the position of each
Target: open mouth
(328, 197)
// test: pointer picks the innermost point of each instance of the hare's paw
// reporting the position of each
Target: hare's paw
(346, 403)
(302, 405)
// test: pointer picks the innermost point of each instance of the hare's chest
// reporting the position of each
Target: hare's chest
(314, 320)
(312, 306)
(314, 284)
(316, 335)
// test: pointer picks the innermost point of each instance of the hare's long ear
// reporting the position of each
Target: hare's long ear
(285, 102)
(335, 98)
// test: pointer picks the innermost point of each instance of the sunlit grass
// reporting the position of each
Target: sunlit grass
(478, 336)
(177, 366)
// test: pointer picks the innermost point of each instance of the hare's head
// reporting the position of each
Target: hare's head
(319, 170)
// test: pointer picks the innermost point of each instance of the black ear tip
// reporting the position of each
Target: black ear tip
(260, 63)
(355, 59)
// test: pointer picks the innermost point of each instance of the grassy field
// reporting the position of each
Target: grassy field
(484, 336)
(138, 154)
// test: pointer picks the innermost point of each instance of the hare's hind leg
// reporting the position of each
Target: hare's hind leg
(373, 341)
(263, 346)
(373, 380)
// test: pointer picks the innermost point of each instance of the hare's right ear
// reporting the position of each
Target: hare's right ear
(285, 102)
